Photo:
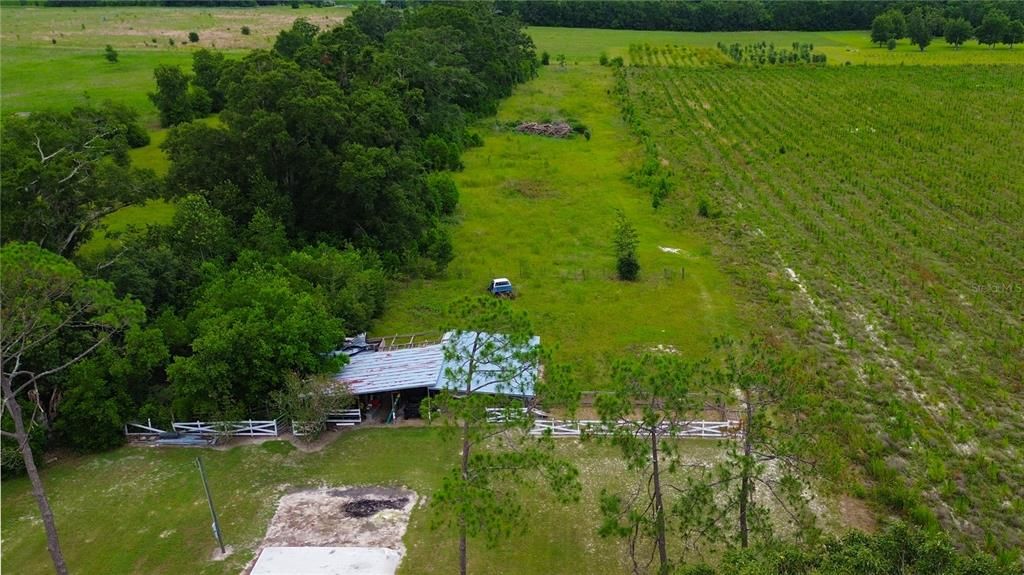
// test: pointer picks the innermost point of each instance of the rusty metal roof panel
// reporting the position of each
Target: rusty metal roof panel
(384, 371)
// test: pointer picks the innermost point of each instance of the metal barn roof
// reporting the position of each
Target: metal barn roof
(383, 371)
(425, 367)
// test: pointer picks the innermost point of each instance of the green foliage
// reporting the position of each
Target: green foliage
(172, 96)
(890, 25)
(193, 37)
(308, 401)
(993, 27)
(207, 67)
(918, 29)
(246, 31)
(958, 31)
(52, 320)
(110, 54)
(545, 59)
(252, 327)
(625, 241)
(103, 392)
(63, 172)
(1014, 33)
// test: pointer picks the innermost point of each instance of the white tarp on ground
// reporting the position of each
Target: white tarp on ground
(327, 561)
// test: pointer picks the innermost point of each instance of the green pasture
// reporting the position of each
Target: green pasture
(36, 73)
(541, 211)
(142, 509)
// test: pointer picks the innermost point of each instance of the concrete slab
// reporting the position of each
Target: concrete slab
(327, 561)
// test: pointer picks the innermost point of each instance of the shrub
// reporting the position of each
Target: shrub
(891, 44)
(628, 267)
(246, 31)
(295, 4)
(604, 59)
(545, 58)
(193, 37)
(617, 62)
(110, 54)
(707, 209)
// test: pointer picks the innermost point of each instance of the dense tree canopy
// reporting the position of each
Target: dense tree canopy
(335, 131)
(63, 172)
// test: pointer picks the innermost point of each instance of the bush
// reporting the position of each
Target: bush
(444, 192)
(295, 4)
(246, 31)
(617, 62)
(628, 267)
(545, 58)
(604, 59)
(891, 44)
(707, 209)
(193, 37)
(110, 54)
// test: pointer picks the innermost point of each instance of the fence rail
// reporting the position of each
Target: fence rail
(575, 428)
(246, 428)
(342, 418)
(142, 430)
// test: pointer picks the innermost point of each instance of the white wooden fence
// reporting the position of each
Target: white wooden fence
(247, 428)
(342, 418)
(575, 428)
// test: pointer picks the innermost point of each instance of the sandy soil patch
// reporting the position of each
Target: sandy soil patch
(341, 517)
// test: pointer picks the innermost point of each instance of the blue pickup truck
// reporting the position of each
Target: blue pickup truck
(501, 287)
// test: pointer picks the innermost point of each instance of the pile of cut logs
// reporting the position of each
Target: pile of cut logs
(554, 130)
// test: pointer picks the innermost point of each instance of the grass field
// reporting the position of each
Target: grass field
(541, 212)
(36, 73)
(878, 209)
(142, 510)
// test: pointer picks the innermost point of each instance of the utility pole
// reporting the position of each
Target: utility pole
(209, 499)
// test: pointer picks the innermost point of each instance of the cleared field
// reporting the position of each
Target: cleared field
(40, 74)
(878, 211)
(142, 510)
(541, 211)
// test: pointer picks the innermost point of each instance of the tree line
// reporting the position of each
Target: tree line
(716, 15)
(924, 23)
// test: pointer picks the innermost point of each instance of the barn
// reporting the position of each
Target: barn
(390, 381)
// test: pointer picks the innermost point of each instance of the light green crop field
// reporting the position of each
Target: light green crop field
(879, 210)
(142, 510)
(36, 73)
(541, 211)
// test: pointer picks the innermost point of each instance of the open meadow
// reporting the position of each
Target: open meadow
(53, 57)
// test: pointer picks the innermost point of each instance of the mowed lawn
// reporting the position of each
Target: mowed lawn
(142, 509)
(541, 211)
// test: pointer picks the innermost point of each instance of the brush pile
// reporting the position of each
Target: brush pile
(552, 130)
